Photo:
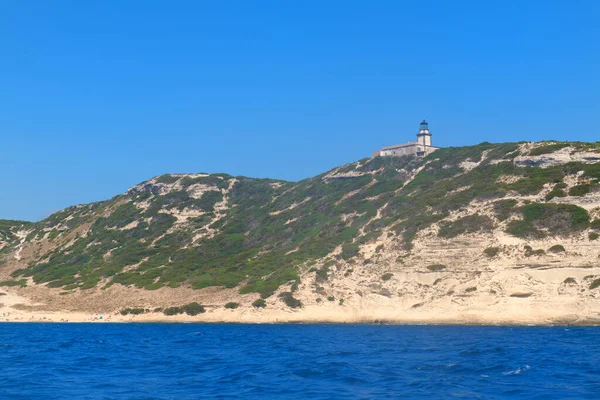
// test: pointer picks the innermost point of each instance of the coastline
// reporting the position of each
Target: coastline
(252, 317)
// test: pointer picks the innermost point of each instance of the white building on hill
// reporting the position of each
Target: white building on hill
(420, 148)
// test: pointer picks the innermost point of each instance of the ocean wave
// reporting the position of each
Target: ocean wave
(517, 371)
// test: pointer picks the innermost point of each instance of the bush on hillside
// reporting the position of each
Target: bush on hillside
(468, 224)
(529, 252)
(387, 276)
(491, 251)
(523, 229)
(190, 309)
(595, 224)
(20, 283)
(259, 303)
(557, 248)
(290, 300)
(580, 190)
(193, 309)
(547, 149)
(504, 208)
(436, 267)
(133, 311)
(557, 191)
(557, 219)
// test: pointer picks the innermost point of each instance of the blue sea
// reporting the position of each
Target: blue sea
(194, 361)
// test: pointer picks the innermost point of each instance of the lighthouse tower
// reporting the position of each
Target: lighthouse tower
(424, 137)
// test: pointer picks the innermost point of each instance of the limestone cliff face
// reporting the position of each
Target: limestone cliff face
(487, 233)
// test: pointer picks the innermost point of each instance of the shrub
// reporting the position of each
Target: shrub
(232, 305)
(172, 311)
(289, 300)
(570, 281)
(595, 224)
(189, 309)
(20, 283)
(341, 302)
(580, 190)
(504, 208)
(529, 252)
(471, 289)
(491, 251)
(349, 250)
(557, 248)
(387, 276)
(132, 311)
(436, 267)
(556, 192)
(595, 283)
(593, 236)
(522, 229)
(556, 218)
(193, 309)
(546, 149)
(330, 298)
(545, 214)
(259, 303)
(323, 274)
(468, 224)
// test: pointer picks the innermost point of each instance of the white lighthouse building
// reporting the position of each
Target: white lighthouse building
(420, 148)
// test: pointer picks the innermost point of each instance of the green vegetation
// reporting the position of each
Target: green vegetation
(387, 276)
(557, 248)
(491, 251)
(570, 281)
(593, 236)
(523, 229)
(265, 231)
(259, 303)
(133, 311)
(436, 267)
(471, 289)
(595, 283)
(468, 224)
(557, 191)
(580, 190)
(521, 295)
(530, 252)
(190, 309)
(289, 300)
(20, 283)
(232, 305)
(547, 149)
(556, 219)
(504, 208)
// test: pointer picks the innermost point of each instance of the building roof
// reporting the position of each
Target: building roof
(397, 146)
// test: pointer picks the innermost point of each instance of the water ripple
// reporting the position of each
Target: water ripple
(188, 361)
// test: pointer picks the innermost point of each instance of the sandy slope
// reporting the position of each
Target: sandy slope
(385, 284)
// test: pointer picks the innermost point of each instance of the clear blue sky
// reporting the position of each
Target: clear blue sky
(96, 96)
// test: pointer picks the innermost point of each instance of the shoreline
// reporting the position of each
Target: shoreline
(217, 318)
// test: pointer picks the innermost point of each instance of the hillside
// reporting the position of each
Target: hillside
(506, 231)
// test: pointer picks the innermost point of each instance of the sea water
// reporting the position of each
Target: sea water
(192, 361)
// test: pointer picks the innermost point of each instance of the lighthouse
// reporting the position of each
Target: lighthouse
(420, 148)
(424, 136)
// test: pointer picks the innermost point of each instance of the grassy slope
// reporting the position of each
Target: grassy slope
(271, 228)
